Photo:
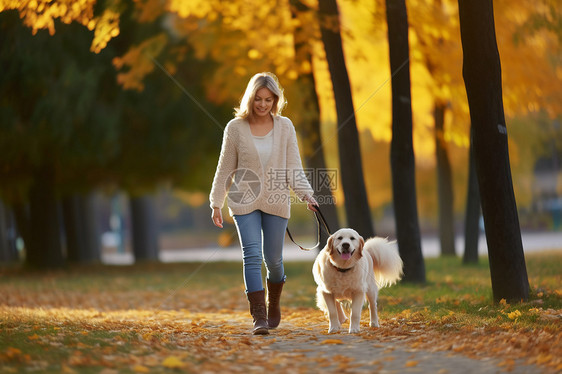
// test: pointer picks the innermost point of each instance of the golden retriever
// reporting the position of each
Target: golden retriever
(348, 268)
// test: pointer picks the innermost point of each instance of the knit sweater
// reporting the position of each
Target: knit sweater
(251, 186)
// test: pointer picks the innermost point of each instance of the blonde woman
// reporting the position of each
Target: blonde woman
(258, 165)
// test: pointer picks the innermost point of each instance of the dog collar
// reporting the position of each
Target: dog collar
(341, 270)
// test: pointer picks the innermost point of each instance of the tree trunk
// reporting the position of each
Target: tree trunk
(92, 229)
(44, 249)
(144, 228)
(22, 220)
(471, 224)
(73, 228)
(82, 228)
(444, 185)
(4, 244)
(8, 251)
(403, 164)
(482, 76)
(313, 149)
(351, 166)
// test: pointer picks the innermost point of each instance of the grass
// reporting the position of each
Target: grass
(139, 316)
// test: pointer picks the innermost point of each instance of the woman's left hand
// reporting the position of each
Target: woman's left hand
(312, 203)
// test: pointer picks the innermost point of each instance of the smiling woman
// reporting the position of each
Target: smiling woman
(259, 163)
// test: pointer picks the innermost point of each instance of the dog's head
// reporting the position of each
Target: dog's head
(345, 245)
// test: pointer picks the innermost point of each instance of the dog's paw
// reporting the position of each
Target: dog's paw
(343, 320)
(354, 329)
(333, 329)
(375, 324)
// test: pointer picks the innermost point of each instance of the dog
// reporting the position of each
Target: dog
(348, 268)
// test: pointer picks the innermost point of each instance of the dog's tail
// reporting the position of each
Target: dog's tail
(386, 260)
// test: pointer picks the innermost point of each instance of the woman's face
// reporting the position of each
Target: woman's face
(263, 102)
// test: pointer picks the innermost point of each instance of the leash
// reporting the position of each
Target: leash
(320, 221)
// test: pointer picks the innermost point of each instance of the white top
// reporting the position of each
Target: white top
(264, 145)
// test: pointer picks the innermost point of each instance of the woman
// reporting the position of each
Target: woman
(258, 163)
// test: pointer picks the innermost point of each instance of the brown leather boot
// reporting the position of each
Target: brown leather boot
(273, 306)
(258, 312)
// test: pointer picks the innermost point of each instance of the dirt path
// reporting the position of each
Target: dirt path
(364, 353)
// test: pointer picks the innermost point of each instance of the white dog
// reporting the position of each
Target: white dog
(347, 269)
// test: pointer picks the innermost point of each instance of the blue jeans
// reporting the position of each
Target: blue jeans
(256, 247)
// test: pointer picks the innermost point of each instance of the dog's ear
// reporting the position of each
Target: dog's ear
(361, 244)
(330, 245)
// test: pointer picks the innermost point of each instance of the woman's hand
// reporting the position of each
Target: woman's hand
(216, 216)
(312, 203)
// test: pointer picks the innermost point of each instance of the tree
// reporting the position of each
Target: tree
(472, 216)
(436, 42)
(351, 166)
(444, 185)
(482, 76)
(8, 251)
(402, 152)
(82, 227)
(145, 228)
(313, 150)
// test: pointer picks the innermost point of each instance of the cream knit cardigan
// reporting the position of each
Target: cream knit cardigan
(251, 186)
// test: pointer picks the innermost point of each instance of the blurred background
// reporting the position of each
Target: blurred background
(112, 114)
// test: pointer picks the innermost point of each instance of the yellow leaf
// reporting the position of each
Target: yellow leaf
(513, 315)
(411, 364)
(33, 337)
(503, 302)
(332, 341)
(141, 369)
(172, 362)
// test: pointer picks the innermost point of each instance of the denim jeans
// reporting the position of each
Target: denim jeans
(261, 237)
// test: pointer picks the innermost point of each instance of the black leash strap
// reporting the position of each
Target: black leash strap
(320, 220)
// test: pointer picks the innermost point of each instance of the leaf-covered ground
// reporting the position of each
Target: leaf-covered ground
(193, 318)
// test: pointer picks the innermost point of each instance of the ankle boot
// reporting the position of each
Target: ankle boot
(273, 306)
(258, 312)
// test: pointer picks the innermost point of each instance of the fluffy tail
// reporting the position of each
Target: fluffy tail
(386, 260)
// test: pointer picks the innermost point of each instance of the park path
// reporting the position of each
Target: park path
(317, 351)
(294, 349)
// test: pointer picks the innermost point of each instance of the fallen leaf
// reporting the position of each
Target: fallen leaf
(411, 364)
(332, 341)
(172, 362)
(141, 369)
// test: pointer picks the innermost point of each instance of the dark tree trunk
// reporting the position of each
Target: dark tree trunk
(444, 185)
(73, 228)
(144, 228)
(22, 220)
(351, 166)
(482, 76)
(471, 224)
(402, 159)
(82, 228)
(313, 149)
(44, 249)
(8, 251)
(92, 229)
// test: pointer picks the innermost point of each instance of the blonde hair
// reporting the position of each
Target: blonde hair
(259, 81)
